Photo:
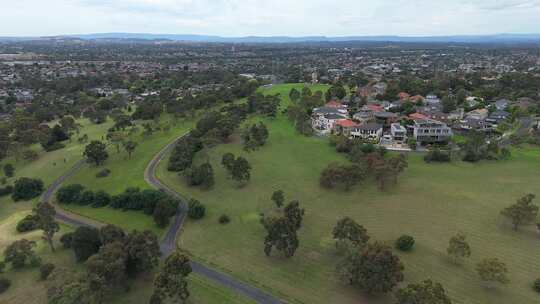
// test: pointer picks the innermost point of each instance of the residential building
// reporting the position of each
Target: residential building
(371, 131)
(431, 131)
(498, 116)
(324, 119)
(432, 99)
(398, 132)
(501, 104)
(479, 114)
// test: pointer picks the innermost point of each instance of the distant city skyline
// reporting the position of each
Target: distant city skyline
(235, 18)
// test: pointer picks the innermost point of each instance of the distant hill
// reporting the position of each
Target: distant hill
(497, 38)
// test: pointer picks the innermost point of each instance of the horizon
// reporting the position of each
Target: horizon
(236, 18)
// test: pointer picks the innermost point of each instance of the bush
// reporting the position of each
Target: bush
(437, 156)
(35, 261)
(69, 194)
(196, 209)
(87, 198)
(224, 219)
(101, 199)
(405, 243)
(28, 223)
(537, 285)
(66, 240)
(27, 188)
(103, 173)
(45, 270)
(6, 190)
(4, 284)
(54, 146)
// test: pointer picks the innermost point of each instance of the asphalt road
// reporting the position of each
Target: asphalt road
(168, 243)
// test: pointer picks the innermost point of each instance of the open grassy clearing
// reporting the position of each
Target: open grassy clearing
(431, 202)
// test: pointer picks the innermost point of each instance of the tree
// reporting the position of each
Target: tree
(241, 170)
(342, 175)
(27, 188)
(294, 214)
(143, 252)
(70, 194)
(202, 175)
(45, 270)
(523, 212)
(374, 269)
(46, 214)
(405, 242)
(96, 152)
(449, 104)
(278, 197)
(492, 270)
(111, 233)
(458, 248)
(228, 161)
(426, 292)
(106, 270)
(171, 281)
(19, 252)
(294, 95)
(85, 242)
(130, 147)
(196, 210)
(9, 170)
(347, 229)
(164, 209)
(281, 235)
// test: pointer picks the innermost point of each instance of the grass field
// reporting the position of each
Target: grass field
(431, 202)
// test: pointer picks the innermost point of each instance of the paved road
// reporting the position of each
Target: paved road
(168, 243)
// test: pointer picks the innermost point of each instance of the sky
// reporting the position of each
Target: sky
(234, 18)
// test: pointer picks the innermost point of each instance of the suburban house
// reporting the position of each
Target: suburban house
(498, 116)
(345, 127)
(479, 114)
(372, 131)
(324, 119)
(385, 118)
(398, 132)
(380, 88)
(475, 124)
(431, 131)
(501, 104)
(364, 115)
(432, 99)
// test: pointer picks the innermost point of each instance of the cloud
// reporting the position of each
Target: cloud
(265, 18)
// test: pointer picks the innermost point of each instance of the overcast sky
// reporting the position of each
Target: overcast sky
(269, 17)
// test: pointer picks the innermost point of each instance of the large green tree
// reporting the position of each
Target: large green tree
(96, 152)
(46, 218)
(171, 281)
(523, 212)
(458, 248)
(426, 292)
(348, 230)
(492, 270)
(374, 269)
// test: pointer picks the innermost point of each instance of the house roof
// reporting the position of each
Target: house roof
(347, 123)
(325, 110)
(417, 116)
(372, 126)
(334, 116)
(374, 107)
(334, 104)
(385, 115)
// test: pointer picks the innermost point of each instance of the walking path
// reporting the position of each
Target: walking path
(168, 243)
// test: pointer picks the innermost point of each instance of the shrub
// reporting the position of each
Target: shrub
(103, 173)
(6, 190)
(101, 199)
(405, 243)
(87, 198)
(4, 284)
(196, 209)
(30, 155)
(27, 188)
(45, 270)
(224, 219)
(53, 146)
(35, 261)
(66, 240)
(537, 285)
(437, 156)
(28, 223)
(69, 194)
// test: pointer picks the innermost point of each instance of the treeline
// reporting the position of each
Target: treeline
(300, 110)
(155, 203)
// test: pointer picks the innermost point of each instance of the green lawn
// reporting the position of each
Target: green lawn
(431, 202)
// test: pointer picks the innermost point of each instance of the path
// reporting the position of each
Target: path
(168, 243)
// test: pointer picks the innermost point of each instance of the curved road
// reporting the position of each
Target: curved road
(168, 243)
